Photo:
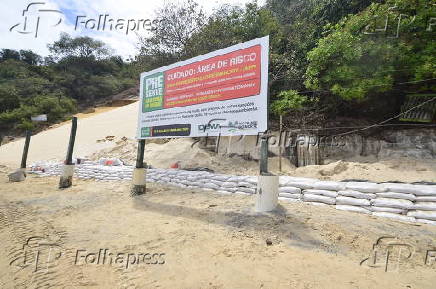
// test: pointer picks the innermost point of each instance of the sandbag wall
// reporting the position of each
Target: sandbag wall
(404, 202)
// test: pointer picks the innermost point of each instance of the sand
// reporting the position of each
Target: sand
(209, 241)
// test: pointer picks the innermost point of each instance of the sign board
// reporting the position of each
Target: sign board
(224, 92)
(39, 118)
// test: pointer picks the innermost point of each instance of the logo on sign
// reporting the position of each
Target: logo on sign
(153, 92)
(212, 125)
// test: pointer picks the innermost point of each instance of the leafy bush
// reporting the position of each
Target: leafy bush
(289, 100)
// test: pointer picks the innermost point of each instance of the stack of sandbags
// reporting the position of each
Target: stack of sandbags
(354, 201)
(290, 194)
(290, 188)
(320, 196)
(423, 209)
(386, 203)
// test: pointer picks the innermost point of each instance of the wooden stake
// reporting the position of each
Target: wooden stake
(280, 143)
(139, 175)
(26, 150)
(69, 159)
(66, 180)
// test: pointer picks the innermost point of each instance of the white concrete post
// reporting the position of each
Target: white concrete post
(138, 181)
(67, 176)
(267, 193)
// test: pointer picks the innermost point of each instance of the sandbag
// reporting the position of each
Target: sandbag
(365, 187)
(218, 183)
(237, 179)
(424, 221)
(425, 206)
(418, 190)
(229, 185)
(394, 216)
(428, 215)
(221, 178)
(392, 203)
(422, 190)
(246, 184)
(300, 184)
(341, 200)
(329, 185)
(331, 194)
(252, 180)
(210, 186)
(426, 199)
(356, 209)
(387, 210)
(290, 190)
(288, 200)
(357, 195)
(290, 196)
(392, 195)
(319, 199)
(242, 193)
(224, 192)
(247, 190)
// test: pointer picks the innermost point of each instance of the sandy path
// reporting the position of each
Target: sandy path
(52, 144)
(209, 240)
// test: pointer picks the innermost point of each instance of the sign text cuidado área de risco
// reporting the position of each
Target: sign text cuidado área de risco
(220, 93)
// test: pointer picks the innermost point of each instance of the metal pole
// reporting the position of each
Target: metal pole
(263, 155)
(280, 143)
(26, 150)
(69, 159)
(140, 154)
(139, 173)
(217, 144)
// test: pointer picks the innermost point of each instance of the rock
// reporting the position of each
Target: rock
(17, 176)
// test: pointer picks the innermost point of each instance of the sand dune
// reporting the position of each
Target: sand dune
(52, 144)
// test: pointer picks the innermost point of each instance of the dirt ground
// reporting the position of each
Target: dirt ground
(50, 238)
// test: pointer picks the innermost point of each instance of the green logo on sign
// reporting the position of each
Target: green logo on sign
(145, 132)
(154, 86)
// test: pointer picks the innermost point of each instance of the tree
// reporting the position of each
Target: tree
(177, 24)
(356, 61)
(9, 54)
(30, 57)
(80, 47)
(303, 22)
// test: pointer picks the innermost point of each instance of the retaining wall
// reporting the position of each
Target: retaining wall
(404, 202)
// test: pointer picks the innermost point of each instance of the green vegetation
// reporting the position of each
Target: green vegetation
(356, 58)
(78, 72)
